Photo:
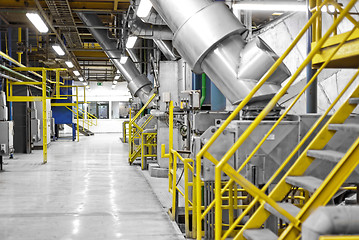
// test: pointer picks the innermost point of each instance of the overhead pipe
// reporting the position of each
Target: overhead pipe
(204, 89)
(208, 36)
(153, 18)
(332, 220)
(138, 84)
(149, 31)
(166, 48)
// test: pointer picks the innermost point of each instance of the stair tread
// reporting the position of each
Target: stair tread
(290, 208)
(328, 155)
(354, 101)
(347, 127)
(309, 183)
(259, 234)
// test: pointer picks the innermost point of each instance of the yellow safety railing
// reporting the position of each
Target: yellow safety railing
(87, 118)
(340, 237)
(42, 98)
(223, 166)
(148, 147)
(135, 132)
(125, 130)
(234, 198)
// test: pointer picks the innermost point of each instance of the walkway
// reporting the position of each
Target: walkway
(86, 191)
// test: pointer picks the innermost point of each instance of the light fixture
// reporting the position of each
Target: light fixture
(84, 83)
(37, 22)
(77, 73)
(58, 50)
(144, 8)
(117, 77)
(123, 59)
(131, 41)
(81, 79)
(260, 6)
(115, 82)
(69, 64)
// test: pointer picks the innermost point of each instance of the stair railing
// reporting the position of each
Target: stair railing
(135, 132)
(222, 166)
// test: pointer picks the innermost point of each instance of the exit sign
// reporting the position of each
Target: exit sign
(99, 84)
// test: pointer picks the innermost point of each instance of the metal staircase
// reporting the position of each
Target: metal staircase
(277, 199)
(82, 130)
(321, 190)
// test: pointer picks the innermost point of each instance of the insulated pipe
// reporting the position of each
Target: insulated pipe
(331, 221)
(204, 89)
(154, 18)
(208, 36)
(148, 31)
(138, 84)
(166, 48)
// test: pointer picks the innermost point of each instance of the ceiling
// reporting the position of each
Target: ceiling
(68, 30)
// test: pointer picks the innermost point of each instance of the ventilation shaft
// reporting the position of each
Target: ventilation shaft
(138, 84)
(208, 36)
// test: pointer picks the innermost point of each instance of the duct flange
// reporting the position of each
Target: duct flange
(192, 39)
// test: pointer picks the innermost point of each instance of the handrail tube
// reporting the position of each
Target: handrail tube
(271, 104)
(240, 107)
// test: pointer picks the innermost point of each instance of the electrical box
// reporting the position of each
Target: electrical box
(6, 137)
(190, 99)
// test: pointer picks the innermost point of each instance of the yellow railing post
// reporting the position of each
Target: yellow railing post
(44, 117)
(77, 113)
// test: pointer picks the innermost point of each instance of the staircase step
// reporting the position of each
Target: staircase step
(348, 127)
(328, 155)
(290, 208)
(309, 183)
(259, 234)
(354, 101)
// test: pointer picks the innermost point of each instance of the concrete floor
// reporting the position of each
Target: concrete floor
(86, 191)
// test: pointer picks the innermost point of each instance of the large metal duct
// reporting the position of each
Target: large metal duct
(341, 220)
(149, 31)
(208, 37)
(166, 48)
(138, 84)
(154, 18)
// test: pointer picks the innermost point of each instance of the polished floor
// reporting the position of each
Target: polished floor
(87, 190)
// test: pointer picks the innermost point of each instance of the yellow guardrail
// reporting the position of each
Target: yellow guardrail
(148, 147)
(135, 132)
(125, 130)
(223, 166)
(42, 98)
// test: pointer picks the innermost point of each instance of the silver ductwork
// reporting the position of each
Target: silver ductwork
(153, 18)
(138, 84)
(208, 36)
(166, 48)
(341, 220)
(149, 31)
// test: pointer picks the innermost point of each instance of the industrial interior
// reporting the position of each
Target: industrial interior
(179, 119)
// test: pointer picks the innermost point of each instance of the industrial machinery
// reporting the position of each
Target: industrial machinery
(39, 112)
(6, 130)
(35, 125)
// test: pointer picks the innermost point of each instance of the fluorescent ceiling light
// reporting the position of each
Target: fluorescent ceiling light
(131, 41)
(123, 59)
(261, 6)
(77, 73)
(117, 77)
(84, 83)
(37, 22)
(144, 8)
(69, 64)
(58, 50)
(115, 82)
(81, 79)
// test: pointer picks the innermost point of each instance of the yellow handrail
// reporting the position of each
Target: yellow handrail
(222, 164)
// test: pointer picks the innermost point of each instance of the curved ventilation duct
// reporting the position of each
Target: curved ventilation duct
(146, 30)
(154, 18)
(208, 36)
(342, 220)
(138, 84)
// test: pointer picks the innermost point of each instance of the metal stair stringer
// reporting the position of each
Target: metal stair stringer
(302, 163)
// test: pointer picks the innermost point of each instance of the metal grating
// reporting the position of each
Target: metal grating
(61, 13)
